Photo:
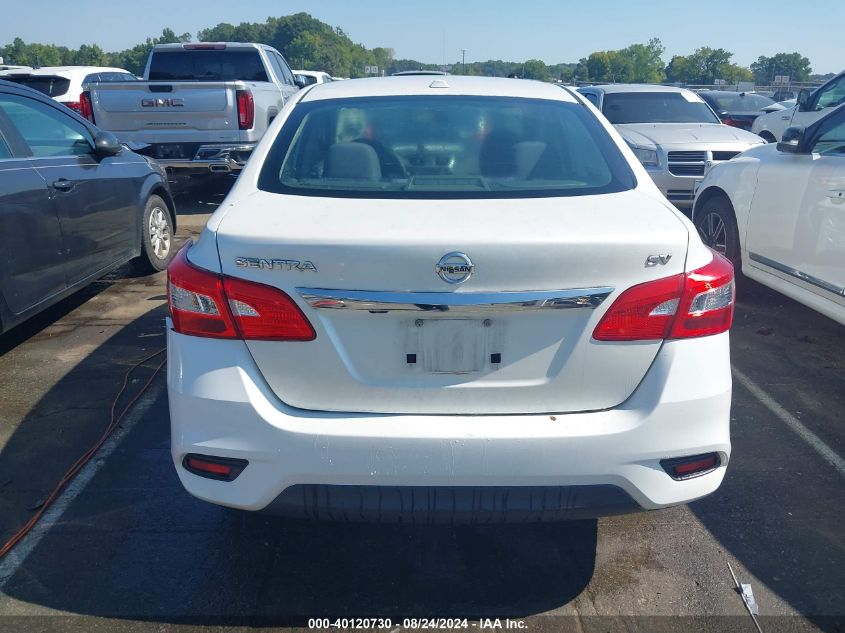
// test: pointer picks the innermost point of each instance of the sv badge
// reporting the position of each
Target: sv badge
(654, 260)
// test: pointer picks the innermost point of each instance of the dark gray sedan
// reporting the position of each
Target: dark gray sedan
(74, 205)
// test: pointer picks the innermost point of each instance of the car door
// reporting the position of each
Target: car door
(31, 249)
(823, 101)
(289, 86)
(95, 197)
(797, 218)
(820, 227)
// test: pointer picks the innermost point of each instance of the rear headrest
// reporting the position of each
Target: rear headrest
(354, 161)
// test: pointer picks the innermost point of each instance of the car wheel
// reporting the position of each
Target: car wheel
(768, 137)
(157, 247)
(716, 225)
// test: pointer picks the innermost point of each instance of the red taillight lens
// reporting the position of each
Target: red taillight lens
(699, 303)
(74, 105)
(203, 303)
(265, 313)
(85, 107)
(246, 109)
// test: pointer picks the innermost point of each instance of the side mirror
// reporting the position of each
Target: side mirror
(804, 99)
(106, 144)
(300, 81)
(792, 140)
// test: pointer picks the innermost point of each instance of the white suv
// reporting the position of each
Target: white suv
(66, 84)
(448, 298)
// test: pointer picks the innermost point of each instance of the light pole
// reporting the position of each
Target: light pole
(463, 61)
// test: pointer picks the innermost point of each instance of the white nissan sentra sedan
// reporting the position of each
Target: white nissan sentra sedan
(448, 299)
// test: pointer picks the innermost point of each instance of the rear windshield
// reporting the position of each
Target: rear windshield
(48, 84)
(443, 147)
(739, 102)
(656, 107)
(207, 65)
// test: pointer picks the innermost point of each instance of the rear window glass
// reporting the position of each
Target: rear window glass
(656, 107)
(213, 65)
(739, 102)
(443, 147)
(46, 84)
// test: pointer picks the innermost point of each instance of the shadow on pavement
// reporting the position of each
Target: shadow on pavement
(135, 546)
(781, 508)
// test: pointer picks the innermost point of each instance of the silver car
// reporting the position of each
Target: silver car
(673, 132)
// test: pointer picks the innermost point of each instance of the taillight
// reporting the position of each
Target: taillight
(203, 303)
(732, 122)
(246, 109)
(85, 107)
(699, 303)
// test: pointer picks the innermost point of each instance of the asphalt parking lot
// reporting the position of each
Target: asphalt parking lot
(126, 548)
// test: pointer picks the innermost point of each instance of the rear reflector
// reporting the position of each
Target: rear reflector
(203, 303)
(699, 303)
(688, 467)
(221, 468)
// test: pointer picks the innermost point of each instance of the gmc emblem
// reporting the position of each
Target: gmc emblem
(162, 103)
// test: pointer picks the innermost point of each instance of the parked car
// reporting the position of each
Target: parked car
(66, 84)
(309, 77)
(778, 211)
(202, 107)
(455, 300)
(673, 132)
(810, 107)
(74, 205)
(738, 109)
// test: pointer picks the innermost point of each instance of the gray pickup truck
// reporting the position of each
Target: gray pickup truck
(201, 108)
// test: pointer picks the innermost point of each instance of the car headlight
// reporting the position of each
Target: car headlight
(647, 156)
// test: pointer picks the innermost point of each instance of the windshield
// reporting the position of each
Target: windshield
(656, 107)
(207, 65)
(49, 85)
(443, 146)
(739, 102)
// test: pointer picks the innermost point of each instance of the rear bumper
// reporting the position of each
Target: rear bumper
(679, 190)
(217, 158)
(592, 463)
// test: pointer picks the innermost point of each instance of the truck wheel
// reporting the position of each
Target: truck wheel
(716, 225)
(157, 247)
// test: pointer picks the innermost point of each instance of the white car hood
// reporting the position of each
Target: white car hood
(684, 134)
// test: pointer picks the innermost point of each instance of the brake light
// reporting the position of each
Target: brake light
(246, 109)
(204, 47)
(203, 303)
(699, 303)
(85, 107)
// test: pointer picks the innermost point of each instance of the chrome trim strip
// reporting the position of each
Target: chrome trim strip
(381, 301)
(815, 281)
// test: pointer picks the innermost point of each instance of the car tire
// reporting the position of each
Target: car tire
(716, 224)
(157, 237)
(768, 137)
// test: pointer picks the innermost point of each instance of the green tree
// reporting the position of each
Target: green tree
(535, 69)
(704, 66)
(796, 66)
(646, 61)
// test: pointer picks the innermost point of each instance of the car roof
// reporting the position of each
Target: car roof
(612, 88)
(198, 45)
(26, 91)
(62, 71)
(310, 73)
(438, 85)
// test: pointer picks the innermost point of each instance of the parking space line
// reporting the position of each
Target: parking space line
(18, 555)
(815, 442)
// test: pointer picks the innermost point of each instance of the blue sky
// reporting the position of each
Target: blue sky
(435, 31)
